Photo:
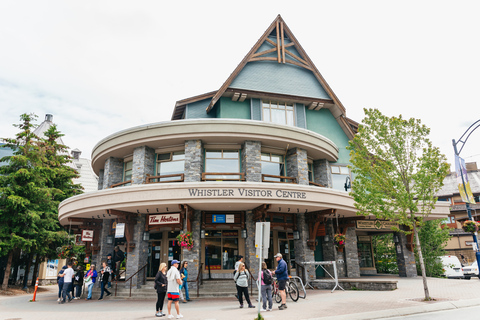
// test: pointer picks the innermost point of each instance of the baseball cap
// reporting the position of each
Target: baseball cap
(278, 255)
(175, 261)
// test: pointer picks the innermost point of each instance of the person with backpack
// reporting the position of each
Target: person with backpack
(241, 280)
(78, 282)
(266, 279)
(60, 283)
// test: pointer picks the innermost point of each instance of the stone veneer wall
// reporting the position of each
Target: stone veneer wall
(351, 253)
(297, 165)
(139, 255)
(193, 160)
(405, 258)
(250, 250)
(252, 161)
(302, 252)
(322, 173)
(100, 179)
(113, 172)
(105, 248)
(143, 164)
(330, 253)
(194, 256)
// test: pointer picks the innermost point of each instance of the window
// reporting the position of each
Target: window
(276, 112)
(127, 171)
(221, 248)
(170, 163)
(340, 177)
(273, 164)
(310, 172)
(222, 161)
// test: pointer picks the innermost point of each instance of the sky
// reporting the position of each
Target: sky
(104, 66)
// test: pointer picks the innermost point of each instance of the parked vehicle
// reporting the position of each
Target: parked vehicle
(471, 271)
(452, 268)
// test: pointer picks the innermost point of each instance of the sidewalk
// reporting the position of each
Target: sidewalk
(319, 304)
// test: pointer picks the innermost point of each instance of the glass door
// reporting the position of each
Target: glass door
(154, 250)
(174, 250)
(284, 247)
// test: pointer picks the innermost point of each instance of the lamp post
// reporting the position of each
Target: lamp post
(467, 204)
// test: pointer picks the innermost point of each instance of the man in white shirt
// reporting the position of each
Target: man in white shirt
(67, 282)
(173, 292)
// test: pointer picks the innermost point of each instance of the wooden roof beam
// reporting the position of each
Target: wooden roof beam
(243, 96)
(235, 96)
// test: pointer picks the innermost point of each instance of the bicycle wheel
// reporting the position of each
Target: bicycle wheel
(276, 297)
(293, 291)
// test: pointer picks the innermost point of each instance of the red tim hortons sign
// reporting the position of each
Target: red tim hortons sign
(87, 235)
(157, 219)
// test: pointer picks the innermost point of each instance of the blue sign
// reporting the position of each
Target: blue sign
(218, 218)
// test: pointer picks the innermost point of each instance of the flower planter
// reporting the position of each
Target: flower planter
(470, 226)
(340, 249)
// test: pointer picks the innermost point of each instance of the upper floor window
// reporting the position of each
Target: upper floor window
(278, 112)
(223, 163)
(127, 170)
(341, 178)
(171, 163)
(273, 164)
(310, 172)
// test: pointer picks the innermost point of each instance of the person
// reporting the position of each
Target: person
(111, 265)
(118, 257)
(104, 275)
(239, 260)
(90, 279)
(282, 276)
(78, 282)
(184, 275)
(174, 281)
(241, 280)
(161, 283)
(60, 283)
(67, 276)
(266, 288)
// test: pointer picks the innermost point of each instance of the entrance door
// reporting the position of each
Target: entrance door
(174, 250)
(154, 257)
(319, 273)
(284, 247)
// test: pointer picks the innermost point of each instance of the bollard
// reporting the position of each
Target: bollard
(35, 292)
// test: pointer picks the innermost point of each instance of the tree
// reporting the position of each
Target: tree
(397, 172)
(433, 239)
(384, 253)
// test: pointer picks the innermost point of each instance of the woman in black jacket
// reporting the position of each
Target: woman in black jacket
(161, 283)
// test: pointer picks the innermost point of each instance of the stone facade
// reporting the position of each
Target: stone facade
(405, 257)
(330, 253)
(105, 248)
(297, 165)
(143, 164)
(250, 250)
(113, 172)
(193, 160)
(351, 253)
(251, 161)
(302, 252)
(322, 173)
(100, 179)
(194, 256)
(139, 255)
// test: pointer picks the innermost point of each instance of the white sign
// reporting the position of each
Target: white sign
(156, 219)
(262, 239)
(230, 218)
(120, 230)
(87, 235)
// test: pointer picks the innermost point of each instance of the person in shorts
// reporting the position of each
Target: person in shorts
(173, 291)
(282, 276)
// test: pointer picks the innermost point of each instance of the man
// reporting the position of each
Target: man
(118, 257)
(173, 292)
(282, 276)
(111, 265)
(67, 276)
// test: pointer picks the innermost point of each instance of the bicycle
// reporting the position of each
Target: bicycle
(291, 290)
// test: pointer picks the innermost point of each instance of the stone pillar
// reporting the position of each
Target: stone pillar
(330, 253)
(405, 258)
(194, 256)
(143, 164)
(138, 257)
(297, 165)
(322, 173)
(250, 250)
(302, 252)
(100, 179)
(252, 161)
(104, 247)
(351, 253)
(193, 160)
(113, 172)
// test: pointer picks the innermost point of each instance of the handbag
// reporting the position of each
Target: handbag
(88, 280)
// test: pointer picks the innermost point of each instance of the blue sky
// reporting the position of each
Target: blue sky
(101, 67)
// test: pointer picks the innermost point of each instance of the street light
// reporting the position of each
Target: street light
(457, 153)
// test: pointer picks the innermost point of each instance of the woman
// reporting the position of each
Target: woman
(266, 288)
(184, 272)
(60, 283)
(161, 287)
(105, 274)
(241, 280)
(78, 282)
(90, 279)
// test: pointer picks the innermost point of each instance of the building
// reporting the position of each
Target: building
(269, 145)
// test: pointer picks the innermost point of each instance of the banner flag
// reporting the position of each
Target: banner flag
(462, 181)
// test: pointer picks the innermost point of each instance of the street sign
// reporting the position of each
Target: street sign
(262, 239)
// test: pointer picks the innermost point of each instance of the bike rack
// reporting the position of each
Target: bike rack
(321, 263)
(303, 286)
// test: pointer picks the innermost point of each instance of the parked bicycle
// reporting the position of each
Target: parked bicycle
(291, 290)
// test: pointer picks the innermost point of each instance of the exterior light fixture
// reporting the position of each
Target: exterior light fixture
(202, 234)
(326, 238)
(244, 233)
(296, 235)
(395, 239)
(146, 236)
(109, 239)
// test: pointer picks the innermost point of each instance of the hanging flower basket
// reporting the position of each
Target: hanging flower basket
(339, 241)
(185, 240)
(470, 226)
(65, 252)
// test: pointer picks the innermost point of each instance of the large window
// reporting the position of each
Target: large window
(221, 248)
(277, 112)
(340, 177)
(172, 163)
(127, 170)
(222, 161)
(273, 164)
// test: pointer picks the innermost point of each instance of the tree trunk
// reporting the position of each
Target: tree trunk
(35, 269)
(7, 271)
(27, 271)
(422, 264)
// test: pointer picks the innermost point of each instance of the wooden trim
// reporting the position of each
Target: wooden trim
(261, 53)
(316, 184)
(120, 184)
(150, 178)
(283, 42)
(293, 179)
(278, 43)
(282, 97)
(204, 174)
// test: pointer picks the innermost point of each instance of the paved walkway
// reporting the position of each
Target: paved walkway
(319, 304)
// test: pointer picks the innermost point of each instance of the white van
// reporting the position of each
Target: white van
(452, 268)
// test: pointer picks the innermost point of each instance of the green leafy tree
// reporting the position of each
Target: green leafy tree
(397, 172)
(384, 253)
(433, 239)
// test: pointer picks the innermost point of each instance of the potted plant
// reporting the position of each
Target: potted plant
(185, 240)
(339, 241)
(470, 226)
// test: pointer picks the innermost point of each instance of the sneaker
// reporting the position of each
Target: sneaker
(76, 298)
(179, 316)
(251, 306)
(70, 299)
(241, 306)
(59, 299)
(159, 314)
(170, 316)
(282, 307)
(184, 301)
(109, 294)
(269, 309)
(100, 298)
(263, 309)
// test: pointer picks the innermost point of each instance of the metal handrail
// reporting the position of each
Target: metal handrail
(252, 279)
(120, 184)
(117, 278)
(144, 277)
(199, 279)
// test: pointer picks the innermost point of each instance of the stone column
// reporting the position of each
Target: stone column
(100, 179)
(297, 165)
(138, 257)
(405, 258)
(330, 253)
(250, 250)
(322, 173)
(193, 160)
(302, 252)
(194, 256)
(104, 247)
(143, 164)
(113, 172)
(252, 161)
(351, 253)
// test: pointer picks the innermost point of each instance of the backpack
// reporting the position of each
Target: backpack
(267, 277)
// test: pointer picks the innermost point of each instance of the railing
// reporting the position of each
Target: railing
(120, 273)
(205, 174)
(281, 178)
(316, 184)
(144, 268)
(252, 280)
(121, 184)
(199, 280)
(150, 179)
